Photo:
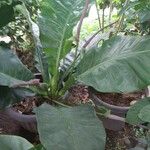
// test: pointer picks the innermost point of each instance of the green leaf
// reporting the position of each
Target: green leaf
(76, 128)
(42, 64)
(9, 142)
(132, 115)
(38, 147)
(120, 65)
(6, 96)
(67, 84)
(144, 15)
(56, 23)
(144, 114)
(22, 92)
(103, 111)
(40, 58)
(10, 96)
(6, 10)
(12, 71)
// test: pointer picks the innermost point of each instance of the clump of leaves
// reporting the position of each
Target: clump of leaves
(121, 64)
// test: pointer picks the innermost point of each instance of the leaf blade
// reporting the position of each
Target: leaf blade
(120, 65)
(132, 115)
(144, 114)
(12, 71)
(75, 128)
(56, 28)
(14, 143)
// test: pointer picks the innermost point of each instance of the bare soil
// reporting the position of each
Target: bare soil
(120, 99)
(27, 105)
(121, 140)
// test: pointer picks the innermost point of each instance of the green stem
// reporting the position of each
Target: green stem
(61, 104)
(57, 102)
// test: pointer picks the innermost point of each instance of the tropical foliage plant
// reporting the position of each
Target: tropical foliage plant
(120, 64)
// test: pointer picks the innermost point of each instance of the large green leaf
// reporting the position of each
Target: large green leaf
(56, 22)
(120, 65)
(145, 113)
(76, 128)
(41, 60)
(9, 142)
(133, 113)
(12, 71)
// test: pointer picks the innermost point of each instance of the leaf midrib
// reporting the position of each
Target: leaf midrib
(62, 38)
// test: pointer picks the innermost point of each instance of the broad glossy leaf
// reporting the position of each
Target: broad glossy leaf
(132, 115)
(12, 71)
(144, 114)
(10, 142)
(120, 65)
(76, 128)
(57, 20)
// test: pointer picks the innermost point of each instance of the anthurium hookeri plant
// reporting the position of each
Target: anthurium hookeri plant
(120, 65)
(81, 132)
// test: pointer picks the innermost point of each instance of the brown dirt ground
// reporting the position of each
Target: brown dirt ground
(120, 99)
